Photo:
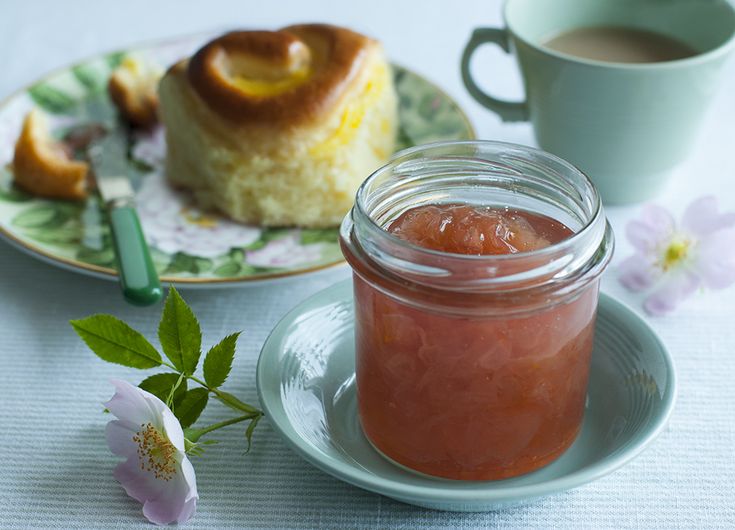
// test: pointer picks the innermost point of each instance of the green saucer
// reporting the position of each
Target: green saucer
(306, 381)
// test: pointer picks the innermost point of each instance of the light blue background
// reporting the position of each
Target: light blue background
(55, 468)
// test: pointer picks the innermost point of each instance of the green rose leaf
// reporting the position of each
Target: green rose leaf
(234, 403)
(115, 59)
(255, 245)
(10, 193)
(91, 75)
(227, 269)
(181, 263)
(51, 99)
(218, 362)
(323, 235)
(160, 385)
(403, 140)
(116, 342)
(180, 334)
(44, 215)
(191, 406)
(237, 254)
(271, 234)
(68, 233)
(202, 265)
(102, 257)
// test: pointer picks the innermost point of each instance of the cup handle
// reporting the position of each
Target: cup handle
(507, 110)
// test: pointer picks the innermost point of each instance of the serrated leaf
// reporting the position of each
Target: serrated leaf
(39, 217)
(181, 263)
(230, 268)
(160, 385)
(202, 265)
(218, 362)
(255, 245)
(179, 333)
(13, 194)
(103, 257)
(51, 99)
(114, 59)
(271, 234)
(234, 403)
(319, 235)
(116, 342)
(191, 406)
(92, 75)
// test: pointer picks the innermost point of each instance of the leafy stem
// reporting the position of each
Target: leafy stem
(193, 435)
(227, 398)
(180, 337)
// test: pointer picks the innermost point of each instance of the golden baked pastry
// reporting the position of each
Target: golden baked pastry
(133, 88)
(279, 127)
(43, 167)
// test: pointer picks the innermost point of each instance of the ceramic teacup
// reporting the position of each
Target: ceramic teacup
(625, 124)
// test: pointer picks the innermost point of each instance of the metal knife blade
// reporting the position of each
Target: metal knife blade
(108, 156)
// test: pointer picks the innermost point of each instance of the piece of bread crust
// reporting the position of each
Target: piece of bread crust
(43, 167)
(133, 88)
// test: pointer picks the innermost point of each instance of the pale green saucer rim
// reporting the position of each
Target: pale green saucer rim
(470, 492)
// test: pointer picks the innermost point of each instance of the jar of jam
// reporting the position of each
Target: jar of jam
(476, 274)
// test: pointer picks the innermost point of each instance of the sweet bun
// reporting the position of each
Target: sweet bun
(279, 127)
(43, 166)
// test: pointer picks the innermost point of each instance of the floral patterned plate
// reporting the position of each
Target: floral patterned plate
(188, 245)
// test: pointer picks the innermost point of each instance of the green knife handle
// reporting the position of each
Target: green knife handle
(138, 278)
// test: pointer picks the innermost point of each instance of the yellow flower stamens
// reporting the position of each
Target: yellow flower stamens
(675, 253)
(156, 452)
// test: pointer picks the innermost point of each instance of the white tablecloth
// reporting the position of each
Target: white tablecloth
(55, 468)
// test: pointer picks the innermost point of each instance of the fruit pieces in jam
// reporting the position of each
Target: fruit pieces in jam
(472, 398)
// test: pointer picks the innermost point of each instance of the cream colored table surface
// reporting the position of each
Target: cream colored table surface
(55, 468)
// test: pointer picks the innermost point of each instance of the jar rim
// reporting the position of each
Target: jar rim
(489, 171)
(406, 154)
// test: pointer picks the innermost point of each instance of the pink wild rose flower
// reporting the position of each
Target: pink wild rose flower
(156, 471)
(674, 261)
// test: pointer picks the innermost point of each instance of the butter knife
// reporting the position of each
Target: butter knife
(138, 278)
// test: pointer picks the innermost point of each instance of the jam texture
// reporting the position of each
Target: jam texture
(472, 398)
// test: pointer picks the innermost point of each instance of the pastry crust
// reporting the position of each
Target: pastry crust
(133, 88)
(332, 56)
(42, 165)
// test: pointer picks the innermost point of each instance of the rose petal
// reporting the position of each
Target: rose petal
(141, 485)
(119, 436)
(165, 500)
(715, 260)
(702, 219)
(187, 511)
(675, 286)
(653, 228)
(638, 273)
(176, 502)
(172, 429)
(129, 404)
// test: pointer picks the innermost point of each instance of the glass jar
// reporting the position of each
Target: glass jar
(474, 367)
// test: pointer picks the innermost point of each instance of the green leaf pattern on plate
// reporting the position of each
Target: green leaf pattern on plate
(208, 247)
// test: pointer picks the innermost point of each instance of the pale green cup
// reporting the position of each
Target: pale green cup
(625, 125)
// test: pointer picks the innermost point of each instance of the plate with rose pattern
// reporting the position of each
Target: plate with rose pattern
(188, 245)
